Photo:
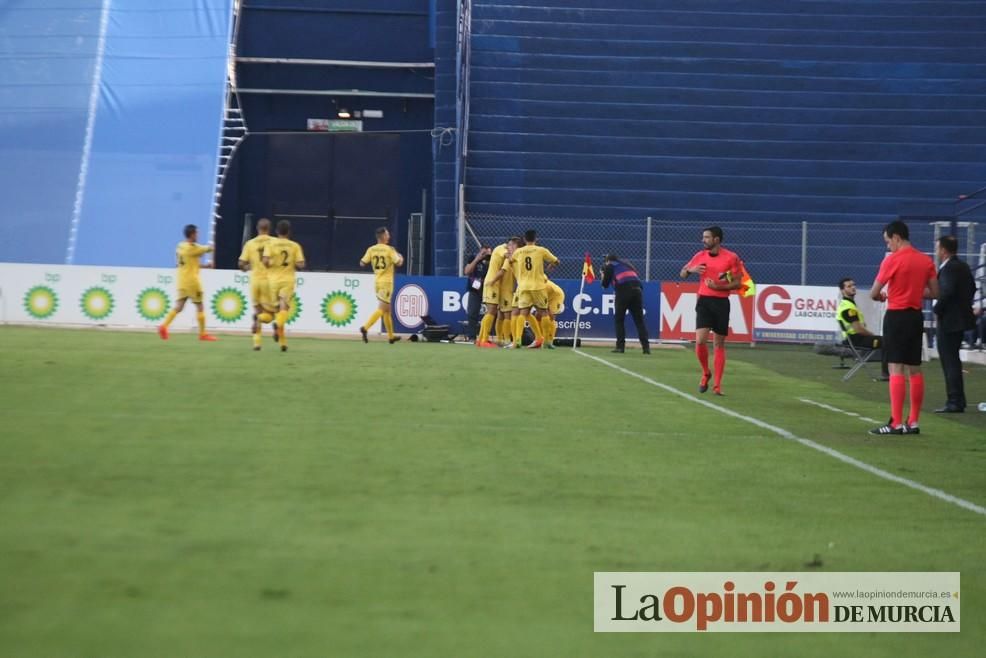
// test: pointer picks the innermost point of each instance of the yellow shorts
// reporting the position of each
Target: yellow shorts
(535, 298)
(190, 290)
(281, 290)
(555, 303)
(384, 292)
(260, 293)
(491, 295)
(508, 298)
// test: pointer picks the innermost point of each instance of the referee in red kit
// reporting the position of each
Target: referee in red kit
(906, 278)
(720, 272)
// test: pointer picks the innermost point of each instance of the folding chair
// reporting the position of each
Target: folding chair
(860, 357)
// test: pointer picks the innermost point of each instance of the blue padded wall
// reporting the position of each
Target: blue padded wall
(725, 109)
(156, 122)
(46, 72)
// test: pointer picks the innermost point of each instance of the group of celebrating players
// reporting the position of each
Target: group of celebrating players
(515, 287)
(273, 263)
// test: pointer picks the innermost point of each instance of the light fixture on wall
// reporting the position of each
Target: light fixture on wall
(343, 113)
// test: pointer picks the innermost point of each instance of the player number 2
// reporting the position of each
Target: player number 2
(528, 265)
(284, 259)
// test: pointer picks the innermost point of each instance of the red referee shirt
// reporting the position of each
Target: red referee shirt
(721, 268)
(906, 273)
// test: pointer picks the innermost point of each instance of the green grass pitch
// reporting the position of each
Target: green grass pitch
(191, 499)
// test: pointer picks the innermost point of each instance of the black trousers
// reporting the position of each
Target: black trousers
(630, 298)
(948, 352)
(871, 343)
(472, 313)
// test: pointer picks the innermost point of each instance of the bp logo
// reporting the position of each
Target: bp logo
(229, 304)
(96, 303)
(295, 309)
(40, 302)
(153, 303)
(339, 308)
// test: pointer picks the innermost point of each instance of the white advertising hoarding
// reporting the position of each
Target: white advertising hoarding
(140, 297)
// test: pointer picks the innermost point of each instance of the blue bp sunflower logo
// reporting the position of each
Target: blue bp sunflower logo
(338, 308)
(153, 304)
(294, 311)
(40, 302)
(229, 304)
(97, 303)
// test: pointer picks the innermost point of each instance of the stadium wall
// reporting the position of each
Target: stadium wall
(110, 114)
(721, 111)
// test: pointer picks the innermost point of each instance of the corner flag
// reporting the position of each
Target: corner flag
(747, 287)
(587, 272)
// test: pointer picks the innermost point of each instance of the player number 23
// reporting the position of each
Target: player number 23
(379, 263)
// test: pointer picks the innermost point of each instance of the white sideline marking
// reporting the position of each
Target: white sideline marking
(839, 411)
(831, 452)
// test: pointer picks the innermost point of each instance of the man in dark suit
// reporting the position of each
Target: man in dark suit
(955, 316)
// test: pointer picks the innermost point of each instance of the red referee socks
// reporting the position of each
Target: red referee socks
(720, 363)
(702, 352)
(916, 381)
(897, 392)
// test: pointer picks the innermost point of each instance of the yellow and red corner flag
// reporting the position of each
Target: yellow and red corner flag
(747, 287)
(587, 272)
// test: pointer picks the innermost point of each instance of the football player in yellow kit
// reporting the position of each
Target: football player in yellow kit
(187, 257)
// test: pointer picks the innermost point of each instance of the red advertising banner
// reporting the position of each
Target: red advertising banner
(678, 313)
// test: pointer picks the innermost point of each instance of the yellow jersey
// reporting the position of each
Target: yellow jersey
(187, 257)
(529, 263)
(253, 252)
(283, 257)
(382, 258)
(498, 255)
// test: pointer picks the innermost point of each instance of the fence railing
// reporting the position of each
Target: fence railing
(806, 253)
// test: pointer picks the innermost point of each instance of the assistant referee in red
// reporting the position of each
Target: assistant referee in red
(906, 278)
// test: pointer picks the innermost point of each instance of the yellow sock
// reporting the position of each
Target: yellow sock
(546, 324)
(518, 329)
(508, 330)
(282, 322)
(171, 316)
(536, 327)
(377, 314)
(554, 329)
(388, 322)
(200, 316)
(484, 328)
(256, 335)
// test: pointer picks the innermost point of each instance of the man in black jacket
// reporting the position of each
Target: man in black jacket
(955, 316)
(629, 297)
